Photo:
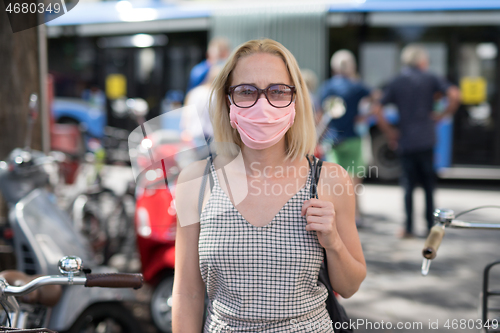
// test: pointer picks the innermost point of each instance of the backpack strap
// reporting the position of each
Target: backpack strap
(315, 166)
(319, 164)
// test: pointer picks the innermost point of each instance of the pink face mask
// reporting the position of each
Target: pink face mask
(261, 125)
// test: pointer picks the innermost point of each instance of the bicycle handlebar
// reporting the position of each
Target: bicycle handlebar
(473, 225)
(111, 280)
(40, 282)
(437, 233)
(433, 241)
(446, 218)
(119, 280)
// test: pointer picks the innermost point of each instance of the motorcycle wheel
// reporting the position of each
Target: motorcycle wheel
(161, 305)
(385, 159)
(104, 318)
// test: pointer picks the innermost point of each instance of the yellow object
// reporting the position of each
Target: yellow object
(100, 159)
(116, 86)
(473, 90)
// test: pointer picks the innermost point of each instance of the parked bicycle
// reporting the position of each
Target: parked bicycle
(102, 216)
(446, 218)
(41, 234)
(37, 293)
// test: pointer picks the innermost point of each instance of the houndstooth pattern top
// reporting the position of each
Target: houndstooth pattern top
(261, 279)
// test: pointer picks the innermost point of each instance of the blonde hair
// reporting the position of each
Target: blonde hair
(218, 48)
(343, 63)
(300, 139)
(413, 54)
(310, 79)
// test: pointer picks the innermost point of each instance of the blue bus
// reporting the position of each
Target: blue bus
(154, 45)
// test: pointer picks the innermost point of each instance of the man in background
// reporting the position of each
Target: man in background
(340, 97)
(413, 92)
(218, 50)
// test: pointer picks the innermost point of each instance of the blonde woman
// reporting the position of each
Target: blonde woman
(259, 258)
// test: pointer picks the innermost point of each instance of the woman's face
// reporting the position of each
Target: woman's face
(260, 70)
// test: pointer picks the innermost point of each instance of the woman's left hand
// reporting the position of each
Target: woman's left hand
(320, 216)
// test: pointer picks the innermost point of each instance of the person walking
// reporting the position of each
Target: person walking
(259, 259)
(199, 97)
(413, 92)
(346, 146)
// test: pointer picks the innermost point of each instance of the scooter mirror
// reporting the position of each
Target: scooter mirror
(334, 106)
(120, 108)
(138, 106)
(33, 106)
(32, 116)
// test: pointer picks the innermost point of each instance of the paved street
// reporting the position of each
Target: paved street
(394, 289)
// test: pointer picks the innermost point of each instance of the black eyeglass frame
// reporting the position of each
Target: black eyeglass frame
(231, 89)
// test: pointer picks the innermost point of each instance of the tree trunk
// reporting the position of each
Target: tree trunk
(19, 77)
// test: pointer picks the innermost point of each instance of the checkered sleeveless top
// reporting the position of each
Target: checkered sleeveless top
(261, 279)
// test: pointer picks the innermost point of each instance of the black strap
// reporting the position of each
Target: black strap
(315, 166)
(335, 309)
(318, 173)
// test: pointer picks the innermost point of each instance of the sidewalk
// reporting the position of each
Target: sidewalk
(395, 291)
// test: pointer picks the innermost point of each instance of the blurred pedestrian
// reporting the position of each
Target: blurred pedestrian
(199, 97)
(95, 97)
(344, 92)
(259, 259)
(172, 101)
(311, 80)
(218, 50)
(413, 92)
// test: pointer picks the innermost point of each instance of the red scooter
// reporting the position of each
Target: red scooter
(160, 156)
(155, 223)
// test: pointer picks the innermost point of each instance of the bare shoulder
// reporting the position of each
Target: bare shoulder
(336, 186)
(193, 171)
(334, 181)
(187, 192)
(333, 173)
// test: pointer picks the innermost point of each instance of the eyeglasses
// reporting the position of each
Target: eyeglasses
(246, 95)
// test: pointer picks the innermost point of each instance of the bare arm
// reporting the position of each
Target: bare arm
(333, 216)
(365, 105)
(453, 95)
(189, 290)
(390, 132)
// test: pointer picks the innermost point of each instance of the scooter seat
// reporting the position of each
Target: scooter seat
(47, 295)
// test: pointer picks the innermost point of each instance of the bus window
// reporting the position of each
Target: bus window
(474, 126)
(378, 63)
